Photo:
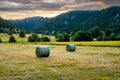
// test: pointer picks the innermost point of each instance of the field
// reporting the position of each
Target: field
(18, 62)
(5, 39)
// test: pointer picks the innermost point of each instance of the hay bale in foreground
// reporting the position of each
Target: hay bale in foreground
(42, 51)
(70, 47)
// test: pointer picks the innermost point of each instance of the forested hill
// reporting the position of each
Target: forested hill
(29, 24)
(5, 26)
(108, 18)
(83, 20)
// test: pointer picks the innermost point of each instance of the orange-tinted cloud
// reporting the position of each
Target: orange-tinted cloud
(85, 6)
(25, 14)
(50, 7)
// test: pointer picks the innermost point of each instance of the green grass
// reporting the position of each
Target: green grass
(18, 62)
(92, 43)
(5, 39)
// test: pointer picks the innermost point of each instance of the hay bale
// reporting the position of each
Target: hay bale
(42, 51)
(70, 47)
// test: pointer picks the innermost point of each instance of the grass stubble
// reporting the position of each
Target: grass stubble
(18, 62)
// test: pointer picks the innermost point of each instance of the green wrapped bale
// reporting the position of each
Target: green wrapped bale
(70, 47)
(42, 51)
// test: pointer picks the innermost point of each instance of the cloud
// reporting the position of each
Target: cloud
(9, 4)
(108, 2)
(55, 5)
(50, 6)
(85, 6)
(25, 14)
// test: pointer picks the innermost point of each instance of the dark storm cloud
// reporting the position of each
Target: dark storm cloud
(55, 5)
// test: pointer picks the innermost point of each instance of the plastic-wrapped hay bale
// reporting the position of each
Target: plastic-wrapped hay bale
(42, 51)
(70, 47)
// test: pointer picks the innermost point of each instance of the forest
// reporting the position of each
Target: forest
(100, 25)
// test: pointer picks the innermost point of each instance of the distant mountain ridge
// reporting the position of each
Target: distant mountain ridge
(84, 20)
(6, 26)
(66, 22)
(29, 24)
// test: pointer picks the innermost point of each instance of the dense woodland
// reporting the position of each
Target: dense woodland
(74, 25)
(29, 24)
(84, 20)
(6, 26)
(81, 20)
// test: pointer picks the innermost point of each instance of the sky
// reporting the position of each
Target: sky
(19, 9)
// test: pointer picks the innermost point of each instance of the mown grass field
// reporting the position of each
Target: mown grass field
(18, 62)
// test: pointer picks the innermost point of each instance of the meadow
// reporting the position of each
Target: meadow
(91, 60)
(18, 62)
(5, 39)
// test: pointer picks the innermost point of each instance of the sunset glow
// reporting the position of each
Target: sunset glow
(18, 9)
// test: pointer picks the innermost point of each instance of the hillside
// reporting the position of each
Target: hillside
(83, 20)
(108, 18)
(29, 24)
(5, 26)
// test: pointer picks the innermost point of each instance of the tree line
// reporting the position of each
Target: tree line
(34, 37)
(93, 33)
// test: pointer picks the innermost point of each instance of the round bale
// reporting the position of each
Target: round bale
(42, 51)
(70, 47)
